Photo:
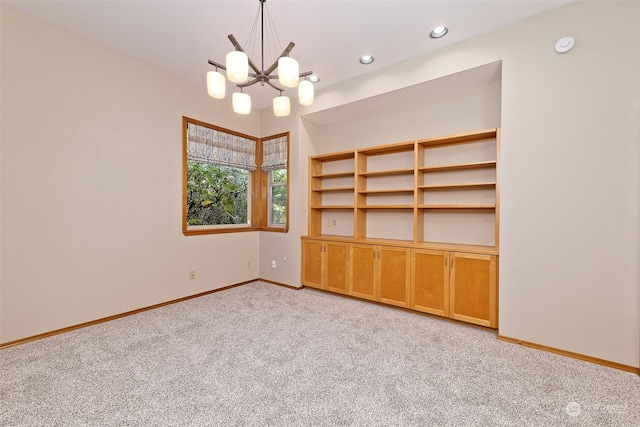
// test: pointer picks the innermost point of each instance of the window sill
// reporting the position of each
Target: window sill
(234, 230)
(275, 229)
(197, 232)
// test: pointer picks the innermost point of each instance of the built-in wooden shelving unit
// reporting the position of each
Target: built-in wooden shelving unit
(413, 224)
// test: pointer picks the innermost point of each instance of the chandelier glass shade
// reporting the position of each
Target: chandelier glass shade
(216, 85)
(242, 71)
(237, 66)
(281, 106)
(241, 103)
(305, 92)
(288, 71)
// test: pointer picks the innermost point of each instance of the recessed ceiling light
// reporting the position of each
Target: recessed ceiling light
(313, 78)
(367, 59)
(438, 32)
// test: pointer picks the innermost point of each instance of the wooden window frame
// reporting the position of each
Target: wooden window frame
(264, 188)
(258, 182)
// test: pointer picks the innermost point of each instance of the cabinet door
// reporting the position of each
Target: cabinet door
(336, 257)
(312, 259)
(393, 275)
(363, 271)
(474, 288)
(430, 282)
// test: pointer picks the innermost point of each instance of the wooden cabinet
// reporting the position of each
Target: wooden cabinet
(462, 286)
(363, 271)
(413, 224)
(325, 265)
(393, 275)
(313, 263)
(380, 273)
(474, 291)
(430, 281)
(336, 267)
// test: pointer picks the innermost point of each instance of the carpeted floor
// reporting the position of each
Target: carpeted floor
(264, 355)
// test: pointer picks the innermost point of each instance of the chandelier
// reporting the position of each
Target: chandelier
(244, 72)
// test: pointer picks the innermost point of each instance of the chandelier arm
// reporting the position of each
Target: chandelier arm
(235, 44)
(274, 86)
(217, 65)
(305, 74)
(249, 83)
(284, 53)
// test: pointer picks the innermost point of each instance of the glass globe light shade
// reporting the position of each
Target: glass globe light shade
(241, 103)
(305, 92)
(215, 84)
(288, 72)
(237, 66)
(281, 106)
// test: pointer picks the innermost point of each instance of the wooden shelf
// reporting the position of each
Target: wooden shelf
(469, 207)
(387, 172)
(459, 166)
(401, 181)
(334, 175)
(334, 207)
(463, 138)
(409, 237)
(385, 207)
(392, 191)
(333, 157)
(388, 149)
(464, 186)
(333, 190)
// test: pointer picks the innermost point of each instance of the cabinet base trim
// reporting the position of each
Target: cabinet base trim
(407, 309)
(571, 354)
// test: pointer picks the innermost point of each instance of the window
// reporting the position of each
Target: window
(219, 174)
(233, 182)
(275, 168)
(277, 194)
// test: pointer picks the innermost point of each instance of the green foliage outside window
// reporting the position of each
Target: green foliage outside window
(216, 194)
(278, 183)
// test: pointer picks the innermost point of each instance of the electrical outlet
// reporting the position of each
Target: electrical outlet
(273, 263)
(249, 264)
(192, 275)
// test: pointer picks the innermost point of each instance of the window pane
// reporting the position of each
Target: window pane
(279, 175)
(278, 205)
(216, 194)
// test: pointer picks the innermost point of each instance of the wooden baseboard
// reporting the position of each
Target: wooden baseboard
(132, 312)
(407, 309)
(295, 288)
(571, 354)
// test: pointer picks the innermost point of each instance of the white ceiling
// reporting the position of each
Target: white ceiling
(330, 35)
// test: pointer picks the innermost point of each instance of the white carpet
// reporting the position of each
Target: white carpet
(261, 354)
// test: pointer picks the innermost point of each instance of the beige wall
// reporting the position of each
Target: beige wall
(570, 187)
(91, 184)
(83, 118)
